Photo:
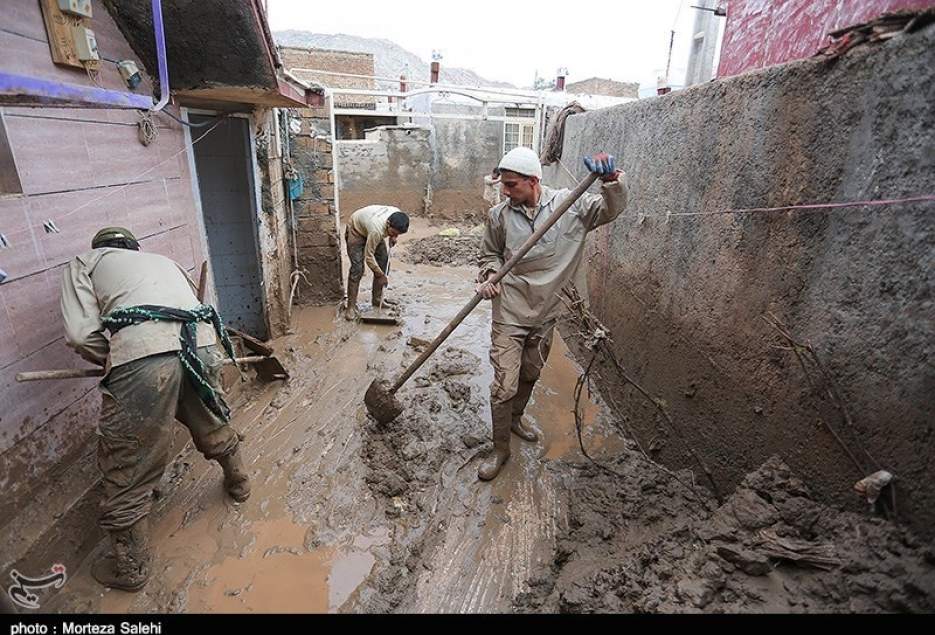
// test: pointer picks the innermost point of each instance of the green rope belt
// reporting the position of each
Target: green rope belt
(194, 367)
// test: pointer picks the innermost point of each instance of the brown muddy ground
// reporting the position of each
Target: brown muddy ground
(350, 516)
(434, 249)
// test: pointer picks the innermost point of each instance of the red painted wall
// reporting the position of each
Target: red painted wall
(762, 33)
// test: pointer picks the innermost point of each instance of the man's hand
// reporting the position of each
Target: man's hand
(604, 165)
(381, 279)
(392, 241)
(487, 290)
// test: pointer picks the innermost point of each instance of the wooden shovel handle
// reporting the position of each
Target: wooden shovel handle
(575, 194)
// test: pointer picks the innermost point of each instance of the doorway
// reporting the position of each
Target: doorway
(227, 190)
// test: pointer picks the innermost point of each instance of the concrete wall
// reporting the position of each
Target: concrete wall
(391, 167)
(436, 170)
(273, 230)
(685, 296)
(599, 86)
(465, 150)
(762, 33)
(83, 169)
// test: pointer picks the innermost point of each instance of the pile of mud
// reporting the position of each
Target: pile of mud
(441, 425)
(639, 542)
(459, 250)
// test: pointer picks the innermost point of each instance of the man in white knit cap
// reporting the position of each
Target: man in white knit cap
(526, 301)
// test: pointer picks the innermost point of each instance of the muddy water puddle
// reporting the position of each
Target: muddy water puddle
(313, 534)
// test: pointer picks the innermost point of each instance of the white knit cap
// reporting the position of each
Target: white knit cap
(522, 161)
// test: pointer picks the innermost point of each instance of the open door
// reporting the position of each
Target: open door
(226, 187)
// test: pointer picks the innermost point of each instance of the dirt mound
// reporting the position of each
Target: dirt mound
(405, 460)
(640, 543)
(442, 250)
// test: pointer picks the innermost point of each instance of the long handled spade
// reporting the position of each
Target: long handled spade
(381, 395)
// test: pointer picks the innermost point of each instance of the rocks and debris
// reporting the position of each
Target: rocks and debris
(462, 249)
(880, 29)
(769, 547)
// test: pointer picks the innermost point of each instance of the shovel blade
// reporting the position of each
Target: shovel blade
(381, 403)
(270, 369)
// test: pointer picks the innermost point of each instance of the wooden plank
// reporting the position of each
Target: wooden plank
(34, 309)
(24, 17)
(8, 352)
(9, 176)
(95, 154)
(251, 342)
(30, 406)
(202, 281)
(22, 257)
(32, 58)
(58, 29)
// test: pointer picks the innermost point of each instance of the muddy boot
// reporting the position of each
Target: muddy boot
(236, 479)
(376, 295)
(127, 568)
(500, 413)
(350, 309)
(517, 425)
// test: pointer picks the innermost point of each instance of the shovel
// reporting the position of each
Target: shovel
(381, 395)
(267, 369)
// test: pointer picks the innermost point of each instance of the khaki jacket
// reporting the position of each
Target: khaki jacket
(529, 293)
(102, 280)
(368, 224)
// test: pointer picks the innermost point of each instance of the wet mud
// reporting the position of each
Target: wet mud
(350, 515)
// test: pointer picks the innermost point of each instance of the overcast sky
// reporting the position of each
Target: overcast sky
(625, 40)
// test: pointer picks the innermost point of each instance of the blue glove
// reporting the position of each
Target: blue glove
(602, 164)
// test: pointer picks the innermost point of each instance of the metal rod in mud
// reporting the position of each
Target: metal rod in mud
(570, 200)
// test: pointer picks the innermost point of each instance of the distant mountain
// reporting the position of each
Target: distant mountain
(390, 59)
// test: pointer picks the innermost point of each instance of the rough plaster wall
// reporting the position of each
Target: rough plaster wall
(391, 169)
(761, 33)
(598, 86)
(685, 297)
(465, 151)
(273, 230)
(316, 215)
(396, 165)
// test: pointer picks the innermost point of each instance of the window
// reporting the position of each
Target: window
(519, 129)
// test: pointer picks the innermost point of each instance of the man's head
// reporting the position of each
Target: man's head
(396, 224)
(116, 237)
(520, 172)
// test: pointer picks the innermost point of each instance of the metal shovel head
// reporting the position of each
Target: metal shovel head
(381, 403)
(270, 369)
(388, 320)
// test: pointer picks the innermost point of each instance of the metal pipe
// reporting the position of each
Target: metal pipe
(378, 78)
(530, 99)
(21, 90)
(161, 59)
(424, 115)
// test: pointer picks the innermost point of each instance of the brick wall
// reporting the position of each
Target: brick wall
(316, 212)
(335, 61)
